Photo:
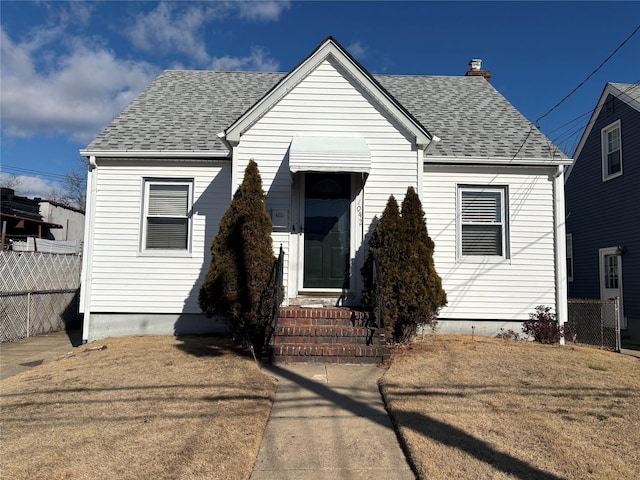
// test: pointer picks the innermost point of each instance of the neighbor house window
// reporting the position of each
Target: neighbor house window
(482, 221)
(167, 214)
(570, 257)
(611, 151)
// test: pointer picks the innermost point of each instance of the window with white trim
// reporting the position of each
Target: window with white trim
(570, 257)
(167, 215)
(611, 151)
(482, 221)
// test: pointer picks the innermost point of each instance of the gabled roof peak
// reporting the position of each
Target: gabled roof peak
(329, 48)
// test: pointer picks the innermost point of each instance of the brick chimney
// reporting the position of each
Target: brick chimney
(475, 70)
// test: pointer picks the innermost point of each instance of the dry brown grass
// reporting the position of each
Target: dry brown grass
(503, 409)
(143, 408)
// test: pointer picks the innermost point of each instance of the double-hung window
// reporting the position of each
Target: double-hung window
(167, 217)
(611, 151)
(482, 221)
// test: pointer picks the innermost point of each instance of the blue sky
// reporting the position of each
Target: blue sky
(68, 68)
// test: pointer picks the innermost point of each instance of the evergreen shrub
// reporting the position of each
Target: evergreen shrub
(412, 293)
(239, 283)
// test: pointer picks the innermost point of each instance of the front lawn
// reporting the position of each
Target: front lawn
(488, 408)
(140, 408)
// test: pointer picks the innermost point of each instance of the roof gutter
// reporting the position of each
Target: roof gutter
(223, 138)
(532, 162)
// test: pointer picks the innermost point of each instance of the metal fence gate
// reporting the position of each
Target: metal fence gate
(39, 293)
(595, 322)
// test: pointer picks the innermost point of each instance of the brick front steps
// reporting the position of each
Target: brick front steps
(326, 335)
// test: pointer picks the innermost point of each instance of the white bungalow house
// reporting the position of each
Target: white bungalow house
(332, 142)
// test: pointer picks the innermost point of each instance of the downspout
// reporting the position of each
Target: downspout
(87, 253)
(562, 313)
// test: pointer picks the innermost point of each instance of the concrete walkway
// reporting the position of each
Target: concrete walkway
(17, 357)
(328, 422)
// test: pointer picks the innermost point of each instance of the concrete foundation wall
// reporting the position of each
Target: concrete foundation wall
(487, 328)
(124, 324)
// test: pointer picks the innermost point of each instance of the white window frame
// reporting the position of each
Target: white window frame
(147, 183)
(606, 152)
(503, 192)
(570, 265)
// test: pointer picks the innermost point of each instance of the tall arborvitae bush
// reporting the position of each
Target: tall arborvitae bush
(421, 293)
(412, 292)
(238, 284)
(384, 245)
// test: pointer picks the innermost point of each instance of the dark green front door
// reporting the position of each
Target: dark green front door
(326, 230)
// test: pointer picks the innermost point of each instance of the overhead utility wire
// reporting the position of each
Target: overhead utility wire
(569, 133)
(565, 136)
(631, 86)
(28, 172)
(590, 75)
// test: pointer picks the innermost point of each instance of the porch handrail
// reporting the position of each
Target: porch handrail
(276, 298)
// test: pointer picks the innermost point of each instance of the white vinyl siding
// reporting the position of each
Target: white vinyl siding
(611, 151)
(167, 220)
(482, 221)
(487, 287)
(328, 104)
(126, 280)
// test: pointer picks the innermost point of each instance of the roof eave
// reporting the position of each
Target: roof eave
(175, 154)
(528, 162)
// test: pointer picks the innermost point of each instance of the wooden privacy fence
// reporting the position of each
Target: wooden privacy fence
(39, 293)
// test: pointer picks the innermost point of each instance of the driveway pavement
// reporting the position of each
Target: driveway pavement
(17, 357)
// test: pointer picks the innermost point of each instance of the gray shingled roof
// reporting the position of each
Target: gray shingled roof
(184, 110)
(631, 89)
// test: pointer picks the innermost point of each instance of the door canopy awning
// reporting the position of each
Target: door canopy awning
(329, 154)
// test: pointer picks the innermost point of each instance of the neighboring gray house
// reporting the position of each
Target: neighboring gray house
(332, 142)
(602, 203)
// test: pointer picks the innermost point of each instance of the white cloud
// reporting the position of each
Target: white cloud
(174, 28)
(30, 187)
(357, 50)
(169, 29)
(56, 80)
(79, 93)
(261, 10)
(258, 60)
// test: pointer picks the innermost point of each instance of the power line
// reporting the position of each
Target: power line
(28, 172)
(566, 135)
(590, 75)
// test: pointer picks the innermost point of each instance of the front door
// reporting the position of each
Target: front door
(327, 229)
(611, 277)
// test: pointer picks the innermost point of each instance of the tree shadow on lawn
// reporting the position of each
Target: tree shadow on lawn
(211, 346)
(424, 425)
(454, 437)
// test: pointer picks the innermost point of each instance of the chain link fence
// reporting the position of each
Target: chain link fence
(39, 293)
(595, 322)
